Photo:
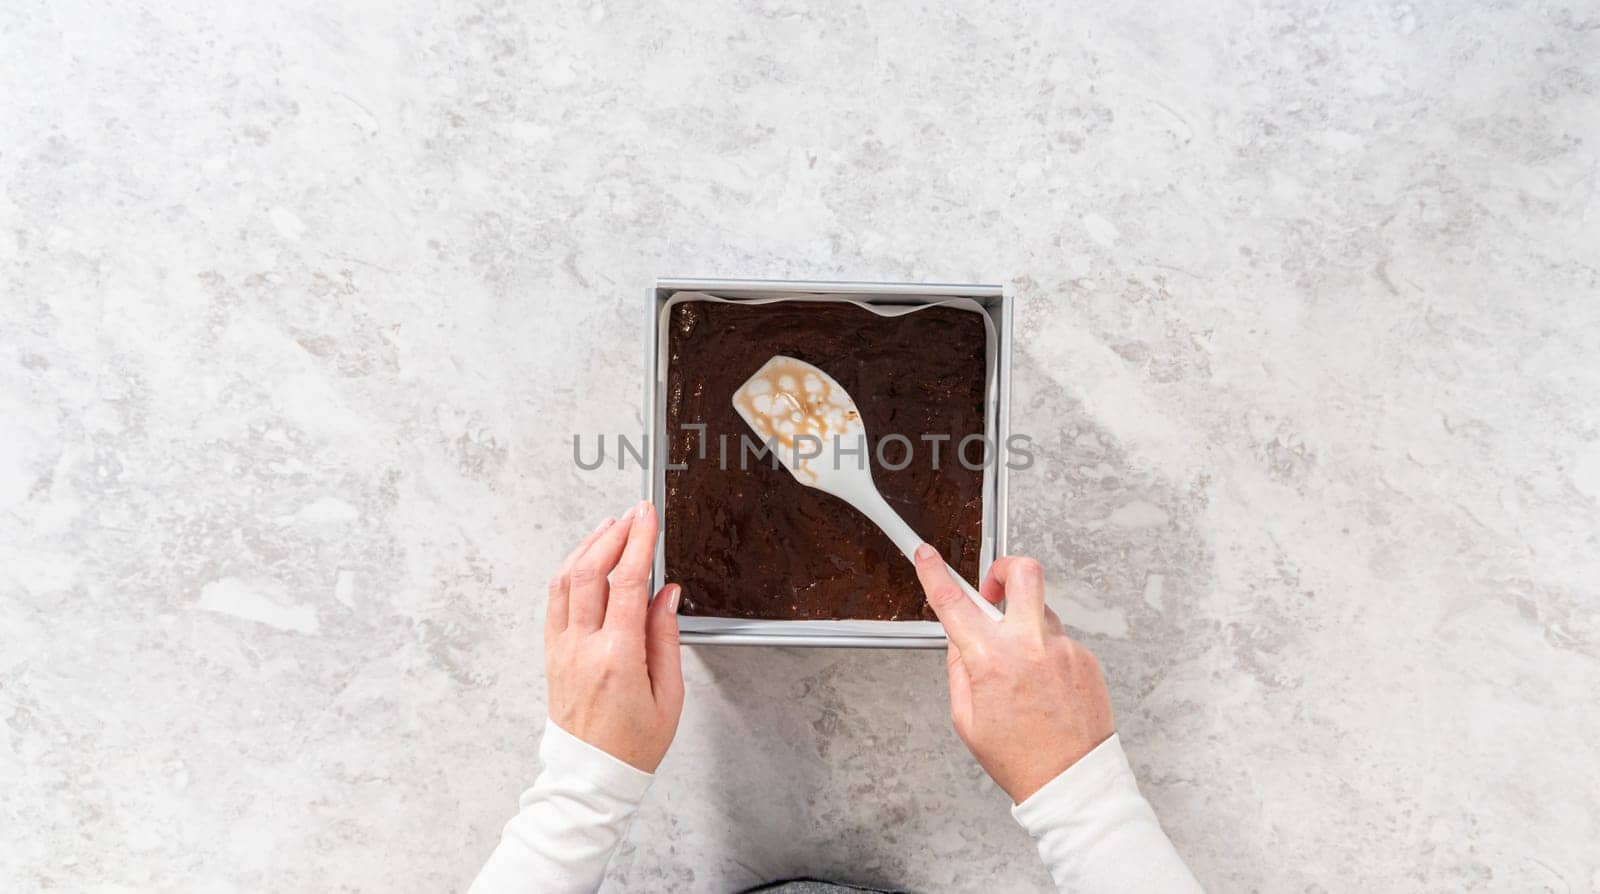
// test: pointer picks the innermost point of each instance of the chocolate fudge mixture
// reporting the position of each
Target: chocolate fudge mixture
(755, 543)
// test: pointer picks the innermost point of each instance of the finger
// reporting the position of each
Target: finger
(661, 650)
(587, 604)
(555, 607)
(963, 622)
(1021, 580)
(629, 593)
(572, 557)
(992, 589)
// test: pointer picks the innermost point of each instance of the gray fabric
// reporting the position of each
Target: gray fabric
(812, 886)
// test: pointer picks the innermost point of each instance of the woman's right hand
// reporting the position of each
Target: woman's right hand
(1027, 699)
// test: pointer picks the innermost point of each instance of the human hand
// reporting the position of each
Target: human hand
(611, 653)
(1027, 700)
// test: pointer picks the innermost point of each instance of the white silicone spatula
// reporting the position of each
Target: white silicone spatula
(814, 427)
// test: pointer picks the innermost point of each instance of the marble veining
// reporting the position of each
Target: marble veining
(300, 304)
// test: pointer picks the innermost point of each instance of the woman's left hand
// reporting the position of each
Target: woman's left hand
(611, 652)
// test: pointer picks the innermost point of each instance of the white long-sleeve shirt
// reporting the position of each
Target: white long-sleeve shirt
(1094, 830)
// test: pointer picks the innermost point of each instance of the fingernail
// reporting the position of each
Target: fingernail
(629, 514)
(925, 552)
(673, 592)
(642, 509)
(606, 522)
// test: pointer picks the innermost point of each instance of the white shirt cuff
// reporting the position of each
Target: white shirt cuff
(1096, 833)
(1075, 789)
(567, 756)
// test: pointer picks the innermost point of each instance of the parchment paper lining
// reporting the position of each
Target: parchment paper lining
(775, 628)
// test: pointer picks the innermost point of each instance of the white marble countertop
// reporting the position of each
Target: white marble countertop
(301, 302)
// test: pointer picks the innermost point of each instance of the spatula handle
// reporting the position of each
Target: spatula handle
(905, 539)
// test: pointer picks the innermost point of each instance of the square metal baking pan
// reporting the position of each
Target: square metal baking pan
(995, 301)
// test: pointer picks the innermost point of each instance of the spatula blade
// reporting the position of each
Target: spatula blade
(803, 413)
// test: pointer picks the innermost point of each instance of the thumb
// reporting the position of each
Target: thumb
(661, 648)
(962, 621)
